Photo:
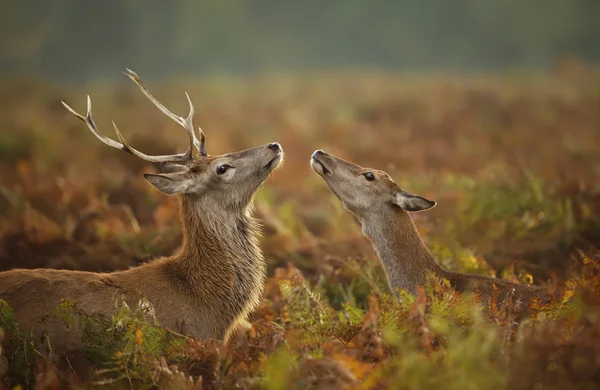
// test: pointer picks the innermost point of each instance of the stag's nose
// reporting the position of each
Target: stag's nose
(275, 147)
(317, 153)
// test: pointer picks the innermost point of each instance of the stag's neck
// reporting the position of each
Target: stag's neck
(403, 254)
(219, 242)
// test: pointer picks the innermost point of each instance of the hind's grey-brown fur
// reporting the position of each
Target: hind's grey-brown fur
(381, 207)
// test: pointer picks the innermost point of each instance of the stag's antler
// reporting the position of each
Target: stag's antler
(187, 124)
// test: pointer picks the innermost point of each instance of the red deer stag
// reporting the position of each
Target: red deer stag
(208, 287)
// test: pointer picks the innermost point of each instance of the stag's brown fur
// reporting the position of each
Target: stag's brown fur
(381, 207)
(205, 290)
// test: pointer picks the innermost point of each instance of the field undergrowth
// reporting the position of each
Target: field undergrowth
(512, 161)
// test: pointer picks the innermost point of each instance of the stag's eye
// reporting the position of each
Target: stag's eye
(222, 169)
(369, 176)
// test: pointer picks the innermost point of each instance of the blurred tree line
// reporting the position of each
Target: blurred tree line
(78, 40)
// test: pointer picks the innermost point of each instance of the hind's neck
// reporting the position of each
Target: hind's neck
(403, 254)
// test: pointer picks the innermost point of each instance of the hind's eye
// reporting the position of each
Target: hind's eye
(369, 176)
(222, 169)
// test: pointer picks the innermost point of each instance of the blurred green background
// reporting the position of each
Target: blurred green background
(80, 40)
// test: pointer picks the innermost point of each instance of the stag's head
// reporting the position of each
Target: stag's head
(228, 180)
(364, 190)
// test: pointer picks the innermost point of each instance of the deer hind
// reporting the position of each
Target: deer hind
(208, 287)
(382, 208)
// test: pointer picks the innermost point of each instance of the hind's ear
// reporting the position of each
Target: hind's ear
(410, 202)
(169, 183)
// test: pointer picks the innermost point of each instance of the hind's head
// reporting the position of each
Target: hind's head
(364, 190)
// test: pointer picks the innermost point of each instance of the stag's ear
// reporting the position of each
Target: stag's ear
(410, 202)
(169, 183)
(167, 167)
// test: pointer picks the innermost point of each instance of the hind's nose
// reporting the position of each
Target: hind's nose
(317, 153)
(275, 147)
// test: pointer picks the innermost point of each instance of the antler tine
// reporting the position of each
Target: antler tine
(202, 139)
(123, 145)
(186, 123)
(189, 126)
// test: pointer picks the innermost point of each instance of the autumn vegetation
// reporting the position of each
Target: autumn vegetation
(511, 159)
